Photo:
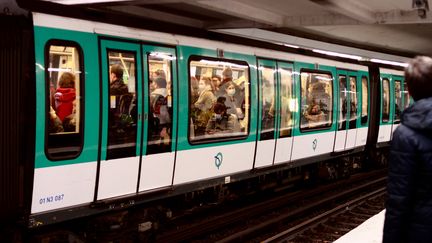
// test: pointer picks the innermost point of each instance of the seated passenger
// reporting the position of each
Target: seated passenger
(321, 95)
(54, 125)
(221, 122)
(314, 115)
(65, 95)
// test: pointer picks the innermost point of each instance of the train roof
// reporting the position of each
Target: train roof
(167, 20)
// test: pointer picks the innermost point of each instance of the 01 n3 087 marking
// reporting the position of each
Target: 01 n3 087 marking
(51, 199)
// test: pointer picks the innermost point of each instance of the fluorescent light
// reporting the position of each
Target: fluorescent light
(402, 64)
(71, 2)
(292, 46)
(336, 54)
(221, 63)
(162, 55)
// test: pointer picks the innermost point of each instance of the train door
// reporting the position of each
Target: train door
(347, 111)
(160, 87)
(266, 143)
(399, 89)
(352, 110)
(286, 104)
(121, 85)
(386, 118)
(342, 111)
(315, 119)
(363, 109)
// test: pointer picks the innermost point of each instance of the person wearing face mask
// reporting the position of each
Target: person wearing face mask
(205, 101)
(206, 97)
(222, 123)
(231, 101)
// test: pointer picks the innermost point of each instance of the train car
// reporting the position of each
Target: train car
(101, 116)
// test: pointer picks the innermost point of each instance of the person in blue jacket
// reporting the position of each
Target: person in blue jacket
(408, 216)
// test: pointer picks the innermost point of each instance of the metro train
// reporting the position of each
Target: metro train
(290, 109)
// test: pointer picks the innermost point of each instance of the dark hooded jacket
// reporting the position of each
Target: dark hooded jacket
(409, 205)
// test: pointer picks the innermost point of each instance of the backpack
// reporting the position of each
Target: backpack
(159, 108)
(158, 102)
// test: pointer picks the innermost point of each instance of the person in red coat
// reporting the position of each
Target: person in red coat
(65, 95)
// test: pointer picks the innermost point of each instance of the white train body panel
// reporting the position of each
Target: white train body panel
(340, 140)
(351, 139)
(265, 153)
(312, 145)
(361, 137)
(118, 177)
(198, 164)
(283, 150)
(156, 171)
(384, 133)
(63, 186)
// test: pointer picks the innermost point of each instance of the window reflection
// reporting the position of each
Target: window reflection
(122, 116)
(386, 100)
(286, 101)
(219, 99)
(64, 117)
(398, 100)
(316, 100)
(268, 80)
(365, 100)
(160, 103)
(353, 102)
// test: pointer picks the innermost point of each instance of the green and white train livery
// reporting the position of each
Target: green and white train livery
(123, 112)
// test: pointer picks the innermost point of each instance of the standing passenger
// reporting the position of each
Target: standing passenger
(205, 102)
(65, 95)
(226, 78)
(159, 109)
(409, 204)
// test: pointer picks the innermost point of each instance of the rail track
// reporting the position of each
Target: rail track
(334, 223)
(252, 222)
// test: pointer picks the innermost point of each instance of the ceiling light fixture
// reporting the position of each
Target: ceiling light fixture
(72, 2)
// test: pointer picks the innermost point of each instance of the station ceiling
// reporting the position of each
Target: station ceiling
(397, 27)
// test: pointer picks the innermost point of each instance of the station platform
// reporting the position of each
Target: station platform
(370, 231)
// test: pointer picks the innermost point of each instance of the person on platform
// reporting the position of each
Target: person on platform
(408, 216)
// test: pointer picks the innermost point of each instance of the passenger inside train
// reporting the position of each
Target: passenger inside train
(317, 101)
(222, 122)
(160, 104)
(208, 92)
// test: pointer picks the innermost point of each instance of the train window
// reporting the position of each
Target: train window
(353, 102)
(160, 103)
(365, 99)
(268, 81)
(406, 96)
(287, 102)
(316, 100)
(398, 101)
(343, 102)
(122, 116)
(386, 100)
(219, 102)
(64, 108)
